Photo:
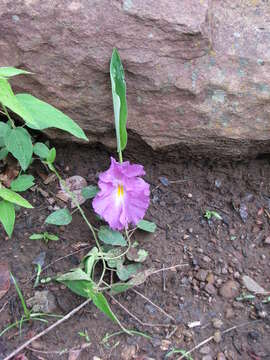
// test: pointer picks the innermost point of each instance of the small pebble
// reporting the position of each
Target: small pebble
(207, 357)
(217, 336)
(205, 350)
(229, 313)
(229, 290)
(207, 259)
(267, 240)
(221, 356)
(210, 278)
(210, 289)
(217, 323)
(201, 275)
(165, 344)
(189, 195)
(217, 183)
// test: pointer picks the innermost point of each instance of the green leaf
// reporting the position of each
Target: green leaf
(18, 142)
(51, 156)
(124, 272)
(89, 192)
(77, 281)
(7, 216)
(36, 237)
(101, 303)
(3, 153)
(119, 99)
(89, 260)
(74, 275)
(11, 71)
(22, 183)
(46, 116)
(147, 226)
(41, 150)
(118, 288)
(51, 237)
(138, 255)
(8, 99)
(178, 351)
(14, 198)
(113, 257)
(111, 237)
(3, 129)
(59, 217)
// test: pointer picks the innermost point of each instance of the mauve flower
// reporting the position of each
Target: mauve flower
(123, 197)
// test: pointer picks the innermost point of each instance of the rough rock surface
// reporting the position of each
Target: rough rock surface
(198, 72)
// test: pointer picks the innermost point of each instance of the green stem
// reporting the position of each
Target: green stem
(120, 156)
(74, 199)
(8, 116)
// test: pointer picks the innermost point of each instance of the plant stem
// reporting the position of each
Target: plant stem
(74, 199)
(8, 116)
(120, 156)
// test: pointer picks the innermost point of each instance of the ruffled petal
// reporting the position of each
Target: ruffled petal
(123, 197)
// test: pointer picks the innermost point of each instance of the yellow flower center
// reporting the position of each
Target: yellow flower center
(120, 191)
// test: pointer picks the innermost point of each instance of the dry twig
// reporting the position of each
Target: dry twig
(48, 329)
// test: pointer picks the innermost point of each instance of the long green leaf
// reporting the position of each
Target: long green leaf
(47, 116)
(80, 283)
(14, 198)
(8, 99)
(119, 99)
(7, 216)
(18, 142)
(11, 71)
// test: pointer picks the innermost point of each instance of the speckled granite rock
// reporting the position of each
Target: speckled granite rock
(197, 71)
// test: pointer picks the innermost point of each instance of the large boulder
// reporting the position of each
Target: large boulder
(197, 71)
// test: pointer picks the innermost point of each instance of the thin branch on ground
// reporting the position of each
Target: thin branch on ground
(60, 352)
(212, 337)
(153, 304)
(135, 317)
(168, 268)
(48, 329)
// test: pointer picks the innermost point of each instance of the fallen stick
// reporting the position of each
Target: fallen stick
(28, 342)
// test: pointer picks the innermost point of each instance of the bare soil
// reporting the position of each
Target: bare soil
(216, 253)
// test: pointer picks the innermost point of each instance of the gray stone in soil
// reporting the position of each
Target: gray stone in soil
(42, 301)
(252, 285)
(229, 290)
(205, 350)
(210, 289)
(217, 323)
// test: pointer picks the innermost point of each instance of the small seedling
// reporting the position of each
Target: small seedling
(209, 214)
(27, 314)
(84, 334)
(245, 297)
(178, 351)
(46, 237)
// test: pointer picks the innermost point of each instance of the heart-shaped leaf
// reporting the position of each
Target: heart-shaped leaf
(59, 217)
(111, 237)
(18, 142)
(22, 183)
(147, 226)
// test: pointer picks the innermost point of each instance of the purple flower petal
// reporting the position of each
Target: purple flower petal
(123, 197)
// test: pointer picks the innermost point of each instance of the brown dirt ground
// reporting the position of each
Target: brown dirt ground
(225, 250)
